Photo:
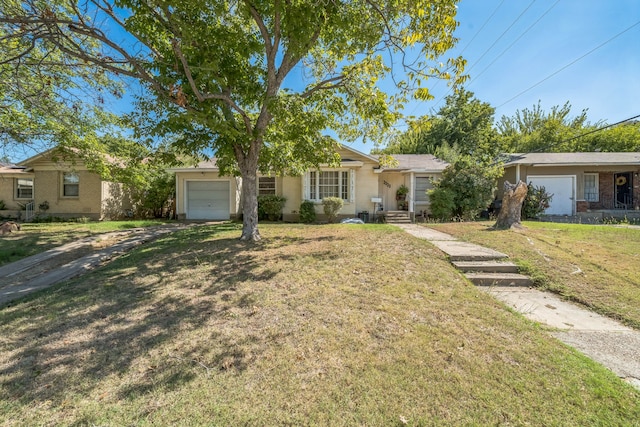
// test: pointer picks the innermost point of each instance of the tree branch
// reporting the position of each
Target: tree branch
(324, 85)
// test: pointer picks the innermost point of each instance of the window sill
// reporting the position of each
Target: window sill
(319, 202)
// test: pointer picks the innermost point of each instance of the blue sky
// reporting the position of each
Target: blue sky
(520, 52)
(525, 42)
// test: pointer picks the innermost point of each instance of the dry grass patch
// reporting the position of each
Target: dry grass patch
(595, 265)
(39, 237)
(328, 325)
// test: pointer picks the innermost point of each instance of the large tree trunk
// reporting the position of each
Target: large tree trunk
(250, 208)
(249, 171)
(510, 212)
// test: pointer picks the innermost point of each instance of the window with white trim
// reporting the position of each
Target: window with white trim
(24, 188)
(266, 185)
(328, 184)
(70, 184)
(591, 187)
(423, 183)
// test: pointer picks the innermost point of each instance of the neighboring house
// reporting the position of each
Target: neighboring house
(360, 180)
(588, 185)
(16, 187)
(68, 188)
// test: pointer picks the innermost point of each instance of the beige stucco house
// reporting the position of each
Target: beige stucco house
(587, 185)
(67, 187)
(360, 180)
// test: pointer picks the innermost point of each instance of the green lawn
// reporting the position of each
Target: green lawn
(335, 325)
(39, 237)
(595, 265)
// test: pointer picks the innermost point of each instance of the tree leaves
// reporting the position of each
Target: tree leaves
(215, 71)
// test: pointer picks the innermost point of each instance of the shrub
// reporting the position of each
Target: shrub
(536, 202)
(307, 212)
(465, 189)
(331, 207)
(270, 206)
(3, 206)
(442, 203)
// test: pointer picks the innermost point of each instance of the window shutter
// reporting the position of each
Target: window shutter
(352, 185)
(306, 191)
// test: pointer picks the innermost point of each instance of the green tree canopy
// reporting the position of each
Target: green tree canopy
(44, 99)
(464, 122)
(557, 131)
(619, 138)
(534, 130)
(216, 71)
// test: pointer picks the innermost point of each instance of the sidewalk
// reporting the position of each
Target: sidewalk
(600, 338)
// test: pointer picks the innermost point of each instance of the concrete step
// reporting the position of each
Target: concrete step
(397, 217)
(464, 251)
(490, 266)
(499, 279)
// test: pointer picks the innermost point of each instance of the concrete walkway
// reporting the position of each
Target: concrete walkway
(128, 239)
(600, 338)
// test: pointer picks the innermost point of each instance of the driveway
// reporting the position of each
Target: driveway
(65, 262)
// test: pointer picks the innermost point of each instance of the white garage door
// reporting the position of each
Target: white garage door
(208, 199)
(563, 189)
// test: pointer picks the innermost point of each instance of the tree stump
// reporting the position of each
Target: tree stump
(510, 211)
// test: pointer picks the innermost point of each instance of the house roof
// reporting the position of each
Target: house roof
(210, 165)
(64, 155)
(9, 168)
(418, 163)
(573, 159)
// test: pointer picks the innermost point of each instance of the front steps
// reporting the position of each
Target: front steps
(490, 266)
(397, 217)
(499, 279)
(491, 271)
(482, 266)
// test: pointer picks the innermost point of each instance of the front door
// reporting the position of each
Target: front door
(624, 190)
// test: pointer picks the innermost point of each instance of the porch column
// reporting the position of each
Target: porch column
(411, 191)
(517, 174)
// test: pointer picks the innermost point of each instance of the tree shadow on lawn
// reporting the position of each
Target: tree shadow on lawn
(23, 243)
(130, 327)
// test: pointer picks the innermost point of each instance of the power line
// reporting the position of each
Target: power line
(463, 49)
(568, 65)
(482, 27)
(492, 45)
(600, 129)
(502, 35)
(516, 40)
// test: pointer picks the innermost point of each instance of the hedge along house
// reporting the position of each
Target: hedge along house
(49, 185)
(359, 179)
(586, 185)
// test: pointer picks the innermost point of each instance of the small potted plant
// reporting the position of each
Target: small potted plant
(44, 206)
(401, 192)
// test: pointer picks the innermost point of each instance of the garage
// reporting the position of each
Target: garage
(208, 200)
(563, 188)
